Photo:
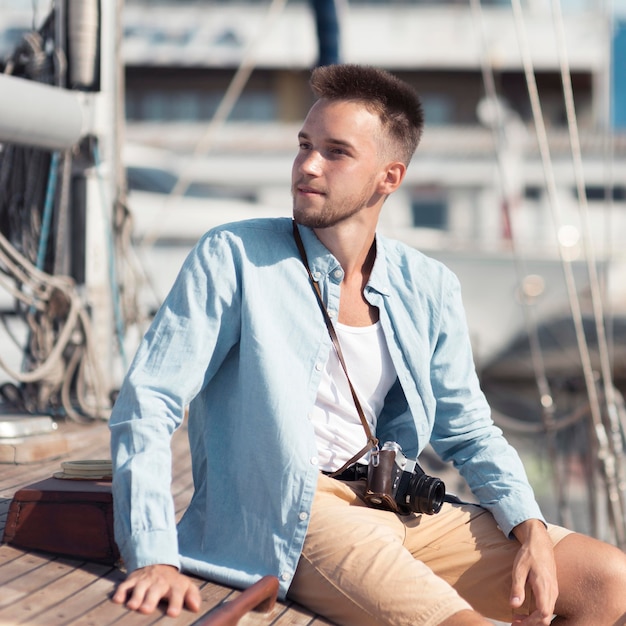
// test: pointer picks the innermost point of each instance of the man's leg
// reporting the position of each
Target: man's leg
(463, 545)
(359, 569)
(355, 570)
(591, 574)
(592, 583)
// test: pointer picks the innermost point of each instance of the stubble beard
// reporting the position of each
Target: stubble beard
(326, 218)
(329, 214)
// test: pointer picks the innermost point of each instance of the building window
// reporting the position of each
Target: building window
(438, 109)
(599, 193)
(193, 106)
(533, 193)
(429, 210)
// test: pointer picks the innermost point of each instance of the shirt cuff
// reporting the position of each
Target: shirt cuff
(156, 547)
(508, 513)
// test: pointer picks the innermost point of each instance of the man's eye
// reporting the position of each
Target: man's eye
(337, 151)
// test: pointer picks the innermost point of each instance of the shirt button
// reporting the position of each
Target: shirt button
(332, 312)
(337, 273)
(303, 516)
(314, 460)
(319, 367)
(317, 275)
(284, 576)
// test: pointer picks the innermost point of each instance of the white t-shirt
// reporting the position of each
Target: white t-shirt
(338, 429)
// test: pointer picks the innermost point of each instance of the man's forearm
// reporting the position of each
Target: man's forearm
(524, 530)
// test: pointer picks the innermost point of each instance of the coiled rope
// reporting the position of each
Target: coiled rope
(60, 373)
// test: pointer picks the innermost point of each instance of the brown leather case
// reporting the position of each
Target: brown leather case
(67, 517)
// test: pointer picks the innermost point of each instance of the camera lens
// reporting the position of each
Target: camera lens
(425, 494)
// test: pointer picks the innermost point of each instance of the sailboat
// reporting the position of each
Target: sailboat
(70, 270)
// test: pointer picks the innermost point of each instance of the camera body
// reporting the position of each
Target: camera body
(399, 484)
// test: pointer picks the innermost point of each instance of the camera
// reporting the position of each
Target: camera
(400, 484)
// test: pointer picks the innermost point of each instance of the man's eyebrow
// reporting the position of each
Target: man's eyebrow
(330, 140)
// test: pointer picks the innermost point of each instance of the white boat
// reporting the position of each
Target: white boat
(451, 206)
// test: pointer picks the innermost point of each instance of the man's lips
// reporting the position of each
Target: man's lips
(306, 190)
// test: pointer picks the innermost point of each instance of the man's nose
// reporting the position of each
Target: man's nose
(311, 163)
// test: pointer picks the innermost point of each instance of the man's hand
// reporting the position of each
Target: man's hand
(534, 564)
(144, 588)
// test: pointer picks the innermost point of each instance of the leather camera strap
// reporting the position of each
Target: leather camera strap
(372, 441)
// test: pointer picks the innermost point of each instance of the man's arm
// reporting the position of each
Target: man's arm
(145, 587)
(179, 353)
(534, 564)
(464, 432)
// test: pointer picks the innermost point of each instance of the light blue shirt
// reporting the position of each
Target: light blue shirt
(241, 340)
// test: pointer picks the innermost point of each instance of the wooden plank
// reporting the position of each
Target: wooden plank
(30, 582)
(13, 477)
(16, 571)
(69, 438)
(59, 586)
(103, 613)
(8, 554)
(42, 589)
(96, 591)
(95, 606)
(295, 615)
(106, 612)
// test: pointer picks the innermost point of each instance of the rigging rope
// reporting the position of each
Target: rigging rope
(615, 425)
(113, 281)
(605, 454)
(548, 425)
(59, 367)
(52, 301)
(224, 109)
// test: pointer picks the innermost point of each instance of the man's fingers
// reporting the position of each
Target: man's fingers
(130, 592)
(142, 597)
(534, 619)
(518, 587)
(193, 599)
(175, 602)
(119, 597)
(147, 598)
(184, 595)
(145, 588)
(517, 599)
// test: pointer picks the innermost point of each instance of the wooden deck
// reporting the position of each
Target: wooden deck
(44, 589)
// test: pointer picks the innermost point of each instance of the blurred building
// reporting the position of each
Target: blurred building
(182, 56)
(218, 90)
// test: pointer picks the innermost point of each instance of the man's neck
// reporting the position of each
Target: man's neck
(354, 248)
(356, 252)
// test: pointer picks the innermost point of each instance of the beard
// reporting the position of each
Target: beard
(328, 213)
(325, 218)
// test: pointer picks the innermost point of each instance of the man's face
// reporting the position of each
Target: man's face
(339, 164)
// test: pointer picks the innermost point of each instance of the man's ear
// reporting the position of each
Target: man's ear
(393, 177)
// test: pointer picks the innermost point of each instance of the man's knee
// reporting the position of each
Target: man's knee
(592, 579)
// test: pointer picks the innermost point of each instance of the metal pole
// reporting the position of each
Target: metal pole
(36, 114)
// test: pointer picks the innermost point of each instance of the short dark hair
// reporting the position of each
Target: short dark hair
(394, 101)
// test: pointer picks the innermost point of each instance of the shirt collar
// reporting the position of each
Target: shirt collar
(322, 262)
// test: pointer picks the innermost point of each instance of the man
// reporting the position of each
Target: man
(241, 339)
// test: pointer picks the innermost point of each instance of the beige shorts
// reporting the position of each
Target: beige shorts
(366, 567)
